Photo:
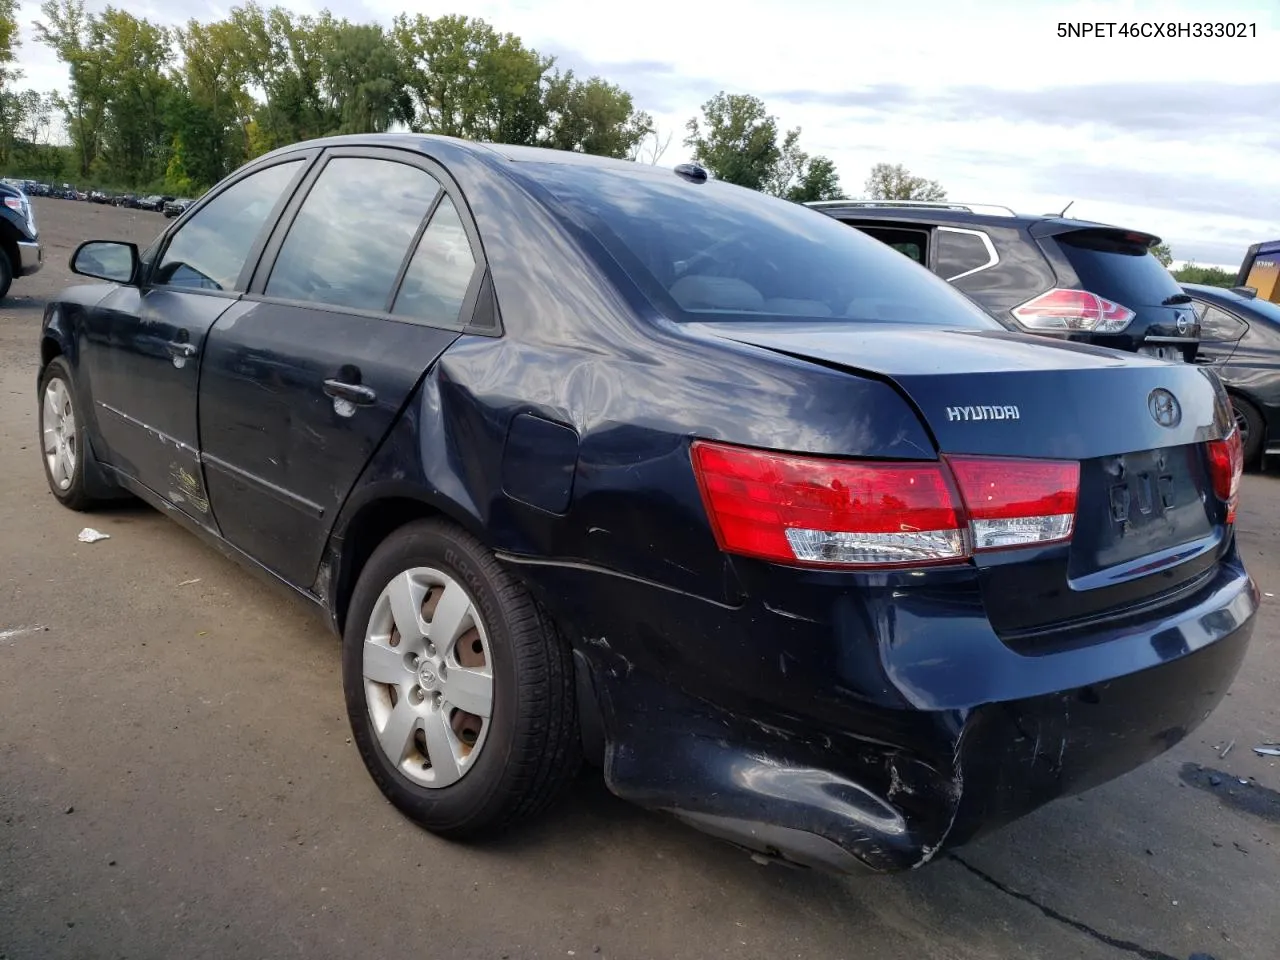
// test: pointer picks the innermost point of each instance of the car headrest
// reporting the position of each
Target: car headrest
(716, 293)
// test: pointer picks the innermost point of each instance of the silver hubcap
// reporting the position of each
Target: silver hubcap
(428, 677)
(58, 426)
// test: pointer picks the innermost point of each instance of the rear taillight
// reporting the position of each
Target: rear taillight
(1066, 310)
(13, 203)
(1226, 465)
(1016, 503)
(816, 511)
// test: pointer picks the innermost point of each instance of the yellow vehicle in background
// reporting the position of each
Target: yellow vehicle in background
(1261, 270)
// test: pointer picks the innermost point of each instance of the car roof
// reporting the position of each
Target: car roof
(493, 151)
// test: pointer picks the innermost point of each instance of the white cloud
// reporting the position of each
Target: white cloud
(673, 54)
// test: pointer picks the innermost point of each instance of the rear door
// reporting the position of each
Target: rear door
(358, 293)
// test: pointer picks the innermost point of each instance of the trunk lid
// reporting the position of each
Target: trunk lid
(1148, 525)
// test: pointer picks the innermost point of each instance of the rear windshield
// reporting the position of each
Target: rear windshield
(712, 251)
(1118, 269)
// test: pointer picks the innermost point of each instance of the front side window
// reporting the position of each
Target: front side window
(347, 243)
(438, 276)
(210, 250)
(711, 251)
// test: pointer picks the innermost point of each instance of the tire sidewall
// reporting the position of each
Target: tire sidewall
(6, 274)
(1257, 428)
(58, 370)
(435, 545)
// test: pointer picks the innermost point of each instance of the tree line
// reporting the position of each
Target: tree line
(154, 106)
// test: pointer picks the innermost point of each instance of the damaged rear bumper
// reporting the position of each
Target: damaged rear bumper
(889, 793)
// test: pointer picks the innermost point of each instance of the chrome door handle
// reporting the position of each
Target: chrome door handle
(356, 393)
(182, 349)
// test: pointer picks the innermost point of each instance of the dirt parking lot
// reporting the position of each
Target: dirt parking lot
(176, 781)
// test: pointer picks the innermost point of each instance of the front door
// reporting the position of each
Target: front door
(356, 297)
(147, 342)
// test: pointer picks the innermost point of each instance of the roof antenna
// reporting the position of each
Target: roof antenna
(1065, 209)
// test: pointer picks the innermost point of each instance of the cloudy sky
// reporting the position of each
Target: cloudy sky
(1175, 136)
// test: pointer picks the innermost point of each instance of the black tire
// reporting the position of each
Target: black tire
(6, 274)
(75, 496)
(532, 747)
(1252, 427)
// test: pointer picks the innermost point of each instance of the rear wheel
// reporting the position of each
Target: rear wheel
(1251, 426)
(459, 690)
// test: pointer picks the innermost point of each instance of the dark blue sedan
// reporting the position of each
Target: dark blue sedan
(586, 457)
(1241, 341)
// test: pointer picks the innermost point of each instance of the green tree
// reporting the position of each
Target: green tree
(1189, 272)
(133, 56)
(66, 30)
(592, 117)
(360, 77)
(736, 139)
(467, 80)
(818, 182)
(894, 182)
(1162, 253)
(210, 104)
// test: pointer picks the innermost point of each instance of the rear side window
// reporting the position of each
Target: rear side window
(962, 252)
(209, 251)
(1218, 325)
(1117, 269)
(711, 251)
(438, 276)
(350, 236)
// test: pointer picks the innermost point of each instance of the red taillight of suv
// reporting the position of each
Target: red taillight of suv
(845, 513)
(1226, 467)
(1065, 310)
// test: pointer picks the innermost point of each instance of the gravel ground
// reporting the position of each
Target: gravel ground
(175, 780)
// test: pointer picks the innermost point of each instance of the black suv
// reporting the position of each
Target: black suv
(20, 252)
(1049, 275)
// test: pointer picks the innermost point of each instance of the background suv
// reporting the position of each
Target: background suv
(1050, 275)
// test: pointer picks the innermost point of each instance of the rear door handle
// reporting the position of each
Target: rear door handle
(356, 393)
(178, 348)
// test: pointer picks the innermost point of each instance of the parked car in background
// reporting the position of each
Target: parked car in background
(584, 455)
(175, 208)
(20, 253)
(1240, 339)
(126, 200)
(1049, 275)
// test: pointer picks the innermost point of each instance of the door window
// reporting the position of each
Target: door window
(209, 251)
(350, 236)
(911, 243)
(438, 276)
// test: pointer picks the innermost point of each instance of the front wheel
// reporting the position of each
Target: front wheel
(459, 689)
(6, 274)
(62, 437)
